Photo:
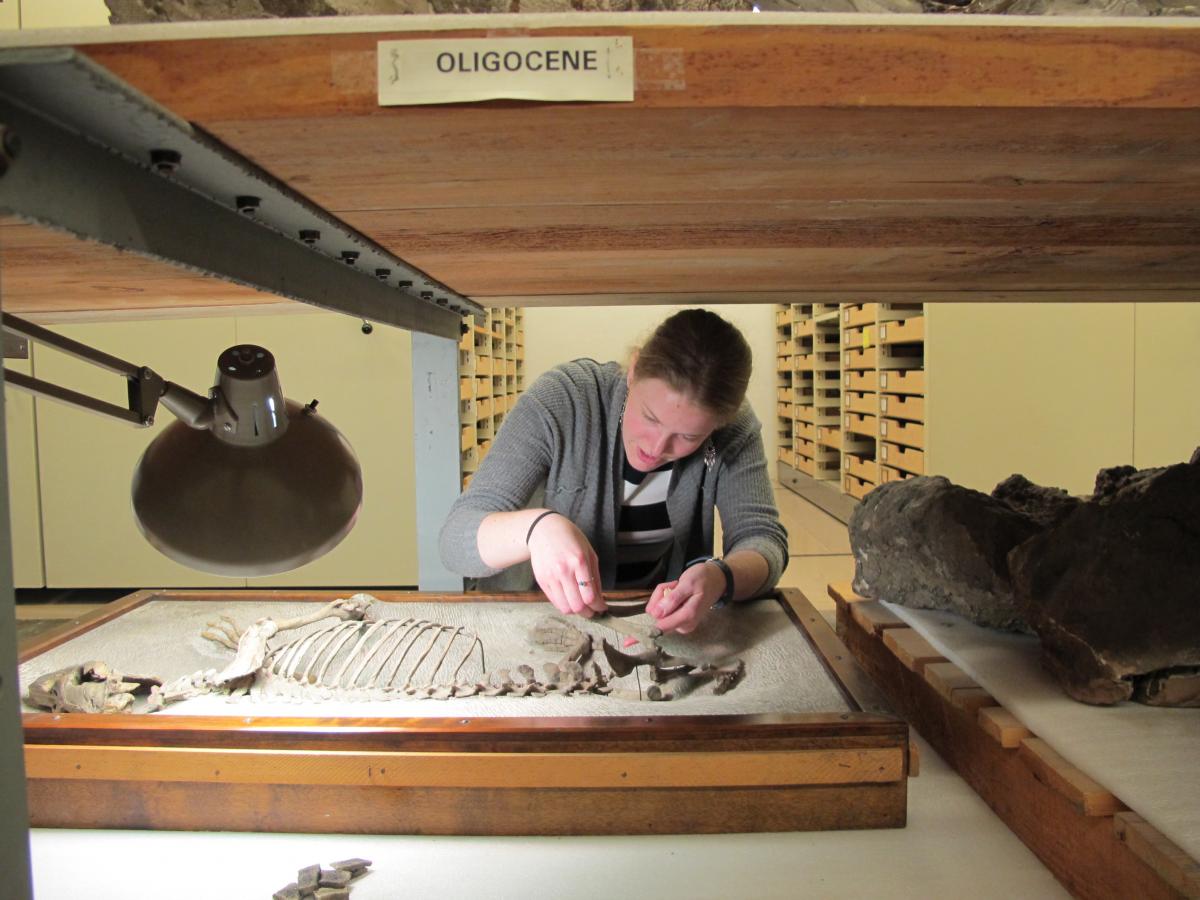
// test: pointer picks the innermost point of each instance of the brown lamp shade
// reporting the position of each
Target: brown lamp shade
(247, 511)
(246, 483)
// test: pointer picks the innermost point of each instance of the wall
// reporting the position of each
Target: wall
(1058, 391)
(609, 333)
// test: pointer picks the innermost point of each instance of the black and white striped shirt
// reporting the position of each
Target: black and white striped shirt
(644, 530)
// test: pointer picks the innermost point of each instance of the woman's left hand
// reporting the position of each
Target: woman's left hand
(680, 605)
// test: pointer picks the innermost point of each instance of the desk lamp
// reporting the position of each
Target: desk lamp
(246, 483)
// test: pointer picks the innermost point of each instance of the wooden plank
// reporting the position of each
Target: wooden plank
(1003, 727)
(739, 64)
(875, 617)
(466, 770)
(843, 592)
(1083, 792)
(972, 700)
(913, 651)
(1175, 866)
(946, 678)
(1083, 851)
(320, 809)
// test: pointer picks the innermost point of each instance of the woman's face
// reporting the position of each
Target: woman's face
(661, 424)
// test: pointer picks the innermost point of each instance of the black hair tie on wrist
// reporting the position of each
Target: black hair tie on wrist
(533, 525)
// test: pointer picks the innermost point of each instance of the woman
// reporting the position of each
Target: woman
(633, 465)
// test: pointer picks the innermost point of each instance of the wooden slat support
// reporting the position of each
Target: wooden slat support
(874, 616)
(1175, 866)
(911, 648)
(1055, 809)
(1003, 726)
(1085, 794)
(957, 686)
(843, 592)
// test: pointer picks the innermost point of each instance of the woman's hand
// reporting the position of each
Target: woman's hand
(566, 567)
(680, 605)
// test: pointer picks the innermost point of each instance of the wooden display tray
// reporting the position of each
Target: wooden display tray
(1082, 832)
(647, 774)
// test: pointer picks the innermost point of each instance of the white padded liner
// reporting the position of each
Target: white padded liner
(1148, 757)
(162, 638)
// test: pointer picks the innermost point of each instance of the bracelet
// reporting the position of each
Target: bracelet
(727, 594)
(533, 525)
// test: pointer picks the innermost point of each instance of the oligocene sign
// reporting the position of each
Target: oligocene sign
(471, 69)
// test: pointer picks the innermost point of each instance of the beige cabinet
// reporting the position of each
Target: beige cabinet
(84, 462)
(23, 492)
(979, 391)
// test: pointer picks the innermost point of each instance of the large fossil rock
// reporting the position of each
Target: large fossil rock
(1113, 590)
(930, 544)
(1110, 584)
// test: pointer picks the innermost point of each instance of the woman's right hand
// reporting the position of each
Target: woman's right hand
(566, 567)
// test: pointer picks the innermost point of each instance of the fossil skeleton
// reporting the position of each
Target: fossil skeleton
(355, 656)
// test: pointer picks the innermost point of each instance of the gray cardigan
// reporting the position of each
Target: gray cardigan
(564, 436)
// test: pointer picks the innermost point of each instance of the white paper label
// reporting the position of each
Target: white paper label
(883, 427)
(883, 404)
(465, 70)
(883, 380)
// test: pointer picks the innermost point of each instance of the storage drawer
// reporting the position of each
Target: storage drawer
(856, 487)
(903, 406)
(859, 359)
(467, 437)
(856, 315)
(803, 362)
(864, 467)
(466, 389)
(784, 409)
(860, 423)
(805, 464)
(859, 381)
(483, 408)
(904, 331)
(910, 434)
(483, 387)
(805, 430)
(805, 413)
(783, 364)
(906, 458)
(887, 473)
(803, 328)
(782, 317)
(785, 455)
(783, 393)
(858, 338)
(862, 403)
(829, 437)
(910, 381)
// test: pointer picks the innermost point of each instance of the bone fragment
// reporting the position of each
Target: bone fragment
(355, 865)
(334, 878)
(308, 877)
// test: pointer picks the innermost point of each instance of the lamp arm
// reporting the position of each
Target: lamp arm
(145, 385)
(191, 408)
